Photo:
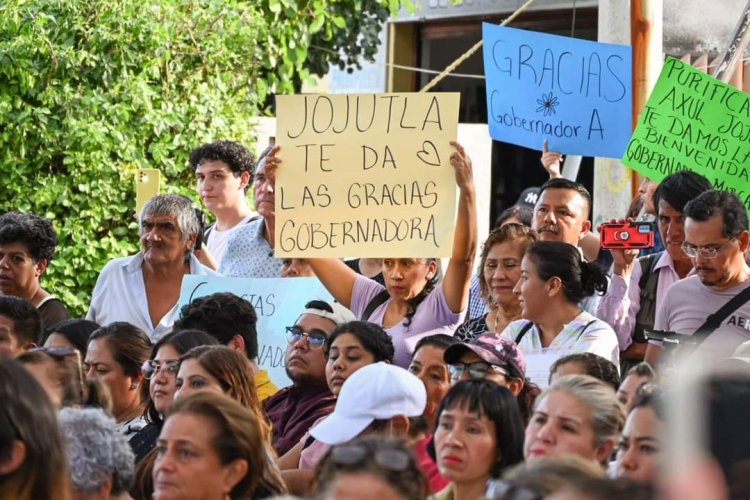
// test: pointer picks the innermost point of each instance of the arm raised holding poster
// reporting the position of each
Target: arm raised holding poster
(413, 300)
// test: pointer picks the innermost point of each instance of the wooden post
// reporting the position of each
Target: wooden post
(646, 40)
(728, 61)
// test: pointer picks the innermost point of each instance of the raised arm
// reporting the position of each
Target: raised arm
(337, 277)
(551, 161)
(458, 275)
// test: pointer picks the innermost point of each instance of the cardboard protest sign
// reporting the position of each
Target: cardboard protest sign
(365, 175)
(278, 303)
(574, 93)
(693, 121)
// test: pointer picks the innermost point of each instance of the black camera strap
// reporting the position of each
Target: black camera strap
(714, 320)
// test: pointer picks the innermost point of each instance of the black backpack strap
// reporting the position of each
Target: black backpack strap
(207, 233)
(376, 301)
(648, 263)
(585, 327)
(523, 331)
(714, 320)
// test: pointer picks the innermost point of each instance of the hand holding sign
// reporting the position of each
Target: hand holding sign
(693, 121)
(461, 162)
(574, 92)
(366, 175)
(551, 161)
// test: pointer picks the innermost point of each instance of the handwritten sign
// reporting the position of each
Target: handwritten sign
(538, 363)
(365, 175)
(278, 303)
(574, 93)
(693, 121)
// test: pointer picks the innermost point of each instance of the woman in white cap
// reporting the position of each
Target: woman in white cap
(350, 347)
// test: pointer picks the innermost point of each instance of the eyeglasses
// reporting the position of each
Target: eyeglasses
(477, 369)
(315, 338)
(151, 368)
(693, 251)
(352, 455)
(505, 490)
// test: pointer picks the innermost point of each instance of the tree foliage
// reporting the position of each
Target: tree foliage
(304, 37)
(92, 90)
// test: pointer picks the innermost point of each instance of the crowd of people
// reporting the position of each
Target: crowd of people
(548, 371)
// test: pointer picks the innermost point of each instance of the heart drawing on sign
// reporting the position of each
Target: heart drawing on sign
(429, 154)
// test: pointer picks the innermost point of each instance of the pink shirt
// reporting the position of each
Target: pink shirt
(431, 314)
(621, 303)
(689, 302)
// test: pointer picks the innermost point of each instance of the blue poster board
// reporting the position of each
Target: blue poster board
(278, 303)
(574, 93)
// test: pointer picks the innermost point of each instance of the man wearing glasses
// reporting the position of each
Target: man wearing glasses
(294, 409)
(639, 284)
(716, 236)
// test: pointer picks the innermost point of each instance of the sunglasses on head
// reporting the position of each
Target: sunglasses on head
(352, 455)
(152, 367)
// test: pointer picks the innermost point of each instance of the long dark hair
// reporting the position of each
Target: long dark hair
(26, 415)
(182, 341)
(429, 286)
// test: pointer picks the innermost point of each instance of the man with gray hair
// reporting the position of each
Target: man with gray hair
(143, 289)
(100, 461)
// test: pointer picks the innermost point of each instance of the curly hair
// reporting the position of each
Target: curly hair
(596, 366)
(237, 157)
(222, 315)
(372, 337)
(96, 451)
(35, 232)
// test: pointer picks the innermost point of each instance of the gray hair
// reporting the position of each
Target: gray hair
(607, 413)
(96, 451)
(178, 206)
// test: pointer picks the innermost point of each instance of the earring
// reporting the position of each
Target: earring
(134, 385)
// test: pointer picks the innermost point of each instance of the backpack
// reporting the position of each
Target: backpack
(648, 284)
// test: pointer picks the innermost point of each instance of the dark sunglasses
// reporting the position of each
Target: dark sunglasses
(477, 369)
(315, 338)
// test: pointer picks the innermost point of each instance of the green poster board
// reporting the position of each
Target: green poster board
(693, 121)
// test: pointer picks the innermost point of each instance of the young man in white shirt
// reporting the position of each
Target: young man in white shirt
(223, 171)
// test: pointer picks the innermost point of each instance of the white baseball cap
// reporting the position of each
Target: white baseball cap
(378, 391)
(339, 316)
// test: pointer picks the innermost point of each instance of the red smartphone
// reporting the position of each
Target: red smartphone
(626, 235)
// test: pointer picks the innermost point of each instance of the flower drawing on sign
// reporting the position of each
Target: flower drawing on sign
(547, 104)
